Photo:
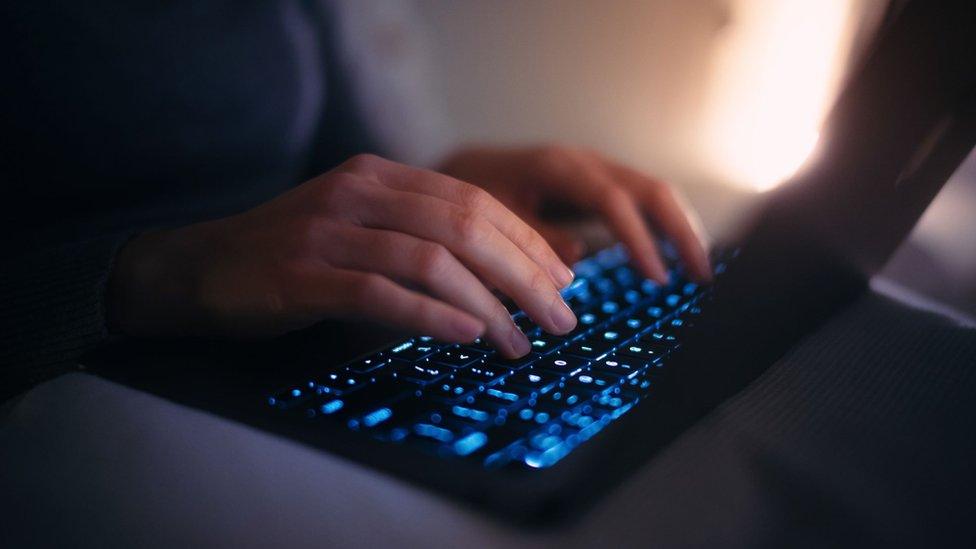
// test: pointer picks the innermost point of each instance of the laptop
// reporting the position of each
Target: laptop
(538, 439)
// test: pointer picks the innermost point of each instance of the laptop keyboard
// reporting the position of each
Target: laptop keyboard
(467, 402)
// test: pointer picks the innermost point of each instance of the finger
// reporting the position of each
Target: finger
(569, 247)
(471, 197)
(668, 212)
(586, 184)
(479, 245)
(431, 266)
(376, 298)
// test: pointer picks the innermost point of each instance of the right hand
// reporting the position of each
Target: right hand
(351, 243)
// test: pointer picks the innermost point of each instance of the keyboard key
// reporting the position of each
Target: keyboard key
(369, 397)
(563, 365)
(533, 380)
(480, 345)
(587, 349)
(411, 350)
(457, 357)
(388, 414)
(612, 337)
(596, 381)
(470, 443)
(501, 396)
(472, 413)
(482, 373)
(340, 382)
(654, 311)
(432, 431)
(664, 337)
(291, 397)
(630, 325)
(514, 364)
(449, 390)
(421, 372)
(369, 364)
(563, 398)
(619, 366)
(544, 344)
(609, 308)
(648, 352)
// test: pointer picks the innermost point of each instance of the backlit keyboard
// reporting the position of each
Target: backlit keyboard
(467, 402)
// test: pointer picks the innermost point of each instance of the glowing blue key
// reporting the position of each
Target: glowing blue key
(433, 431)
(470, 443)
(504, 395)
(471, 413)
(377, 416)
(332, 406)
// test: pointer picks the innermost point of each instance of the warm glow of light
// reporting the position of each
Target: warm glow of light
(775, 76)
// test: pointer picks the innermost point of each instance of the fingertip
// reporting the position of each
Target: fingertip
(654, 269)
(519, 344)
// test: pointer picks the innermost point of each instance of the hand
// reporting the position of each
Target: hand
(356, 242)
(526, 180)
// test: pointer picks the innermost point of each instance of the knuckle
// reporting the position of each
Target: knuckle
(613, 197)
(362, 162)
(365, 287)
(468, 227)
(539, 281)
(433, 261)
(307, 231)
(336, 189)
(475, 198)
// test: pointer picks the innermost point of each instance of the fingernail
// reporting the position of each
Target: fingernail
(520, 344)
(562, 317)
(562, 274)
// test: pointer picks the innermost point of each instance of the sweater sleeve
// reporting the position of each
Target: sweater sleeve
(53, 309)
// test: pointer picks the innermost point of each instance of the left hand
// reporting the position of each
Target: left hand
(527, 180)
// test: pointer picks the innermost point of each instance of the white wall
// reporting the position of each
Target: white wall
(633, 78)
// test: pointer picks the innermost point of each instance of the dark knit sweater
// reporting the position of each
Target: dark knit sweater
(120, 116)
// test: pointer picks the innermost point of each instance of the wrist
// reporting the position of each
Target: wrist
(151, 290)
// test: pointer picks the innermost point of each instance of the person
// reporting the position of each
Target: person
(204, 170)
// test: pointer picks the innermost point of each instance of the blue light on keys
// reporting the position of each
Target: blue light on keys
(504, 395)
(377, 416)
(614, 305)
(470, 413)
(470, 443)
(433, 431)
(331, 407)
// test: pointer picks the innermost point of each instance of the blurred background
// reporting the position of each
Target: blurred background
(723, 98)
